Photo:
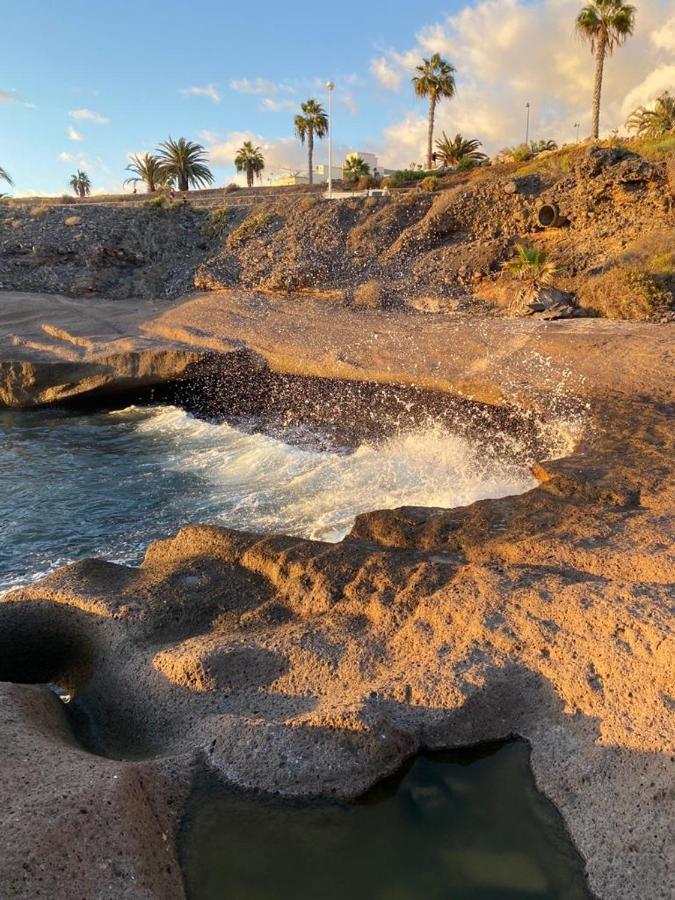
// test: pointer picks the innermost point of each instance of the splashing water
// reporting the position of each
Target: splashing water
(73, 486)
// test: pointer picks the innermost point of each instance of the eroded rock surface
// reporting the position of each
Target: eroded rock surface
(307, 668)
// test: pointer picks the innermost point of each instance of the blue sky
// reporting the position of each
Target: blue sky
(86, 83)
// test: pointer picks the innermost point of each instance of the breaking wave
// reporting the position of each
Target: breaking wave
(73, 486)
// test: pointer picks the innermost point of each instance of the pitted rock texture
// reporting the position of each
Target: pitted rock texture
(304, 668)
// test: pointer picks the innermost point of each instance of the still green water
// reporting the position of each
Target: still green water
(467, 825)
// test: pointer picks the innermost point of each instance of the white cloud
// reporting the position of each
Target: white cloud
(78, 159)
(271, 104)
(387, 74)
(509, 52)
(664, 37)
(88, 115)
(349, 101)
(82, 161)
(260, 87)
(12, 96)
(210, 91)
(74, 135)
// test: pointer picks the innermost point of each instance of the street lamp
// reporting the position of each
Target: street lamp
(527, 123)
(576, 125)
(329, 87)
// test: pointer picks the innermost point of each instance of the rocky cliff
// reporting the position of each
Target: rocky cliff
(439, 251)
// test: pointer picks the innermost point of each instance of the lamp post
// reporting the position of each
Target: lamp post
(330, 86)
(527, 123)
(576, 125)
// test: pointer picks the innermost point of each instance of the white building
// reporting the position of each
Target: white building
(321, 171)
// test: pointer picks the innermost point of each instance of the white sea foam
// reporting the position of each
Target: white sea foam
(265, 484)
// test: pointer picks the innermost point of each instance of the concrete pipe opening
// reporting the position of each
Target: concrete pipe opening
(548, 215)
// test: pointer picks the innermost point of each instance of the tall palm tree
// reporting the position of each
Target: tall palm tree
(452, 151)
(435, 80)
(310, 123)
(354, 168)
(147, 169)
(4, 176)
(654, 122)
(605, 24)
(184, 164)
(80, 183)
(249, 159)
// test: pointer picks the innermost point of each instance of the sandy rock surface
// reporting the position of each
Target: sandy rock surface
(307, 668)
(55, 348)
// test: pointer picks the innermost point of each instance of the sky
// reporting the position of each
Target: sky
(84, 84)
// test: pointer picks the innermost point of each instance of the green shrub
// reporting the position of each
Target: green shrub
(532, 266)
(218, 222)
(466, 163)
(430, 183)
(251, 227)
(158, 202)
(404, 177)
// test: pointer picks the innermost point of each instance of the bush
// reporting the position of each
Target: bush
(232, 187)
(368, 295)
(251, 227)
(366, 182)
(68, 199)
(466, 163)
(158, 202)
(430, 183)
(218, 222)
(404, 178)
(627, 293)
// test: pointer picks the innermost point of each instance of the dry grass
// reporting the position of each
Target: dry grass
(253, 226)
(368, 295)
(626, 293)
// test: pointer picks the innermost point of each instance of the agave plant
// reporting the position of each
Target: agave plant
(249, 159)
(183, 163)
(80, 183)
(532, 266)
(605, 24)
(459, 148)
(435, 79)
(355, 168)
(146, 169)
(310, 123)
(654, 122)
(4, 176)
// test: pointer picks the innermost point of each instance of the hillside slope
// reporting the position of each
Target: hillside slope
(431, 251)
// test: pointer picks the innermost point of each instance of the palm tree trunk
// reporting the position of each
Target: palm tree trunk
(310, 155)
(600, 51)
(430, 135)
(249, 177)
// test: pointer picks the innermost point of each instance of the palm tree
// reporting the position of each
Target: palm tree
(249, 159)
(4, 176)
(147, 169)
(310, 123)
(654, 122)
(541, 146)
(183, 163)
(435, 81)
(453, 151)
(355, 168)
(605, 24)
(80, 183)
(532, 266)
